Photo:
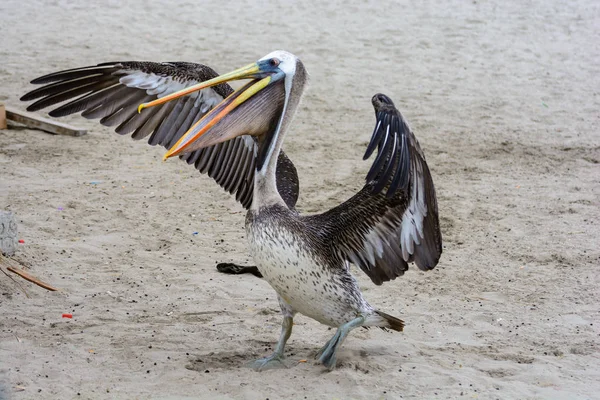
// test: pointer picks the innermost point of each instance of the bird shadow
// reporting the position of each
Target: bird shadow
(219, 360)
(356, 359)
(244, 358)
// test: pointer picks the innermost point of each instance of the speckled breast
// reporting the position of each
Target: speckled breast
(290, 263)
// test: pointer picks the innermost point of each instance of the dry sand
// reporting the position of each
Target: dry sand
(505, 99)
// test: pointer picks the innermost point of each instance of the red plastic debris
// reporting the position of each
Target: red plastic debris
(21, 241)
(67, 316)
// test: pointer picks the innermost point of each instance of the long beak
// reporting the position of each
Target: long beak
(193, 135)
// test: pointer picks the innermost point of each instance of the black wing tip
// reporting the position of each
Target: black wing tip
(41, 80)
(56, 113)
(33, 107)
(79, 71)
(428, 256)
(384, 106)
(381, 101)
(28, 96)
(392, 164)
(52, 77)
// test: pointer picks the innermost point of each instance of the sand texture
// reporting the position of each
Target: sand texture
(504, 97)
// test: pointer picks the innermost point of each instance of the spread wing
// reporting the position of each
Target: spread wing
(393, 220)
(112, 92)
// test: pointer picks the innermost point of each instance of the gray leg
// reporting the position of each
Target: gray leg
(275, 360)
(320, 352)
(328, 354)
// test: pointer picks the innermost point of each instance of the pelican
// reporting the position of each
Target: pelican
(237, 138)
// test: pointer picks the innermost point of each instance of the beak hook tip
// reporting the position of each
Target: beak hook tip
(168, 155)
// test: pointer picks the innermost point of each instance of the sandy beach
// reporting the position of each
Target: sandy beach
(504, 98)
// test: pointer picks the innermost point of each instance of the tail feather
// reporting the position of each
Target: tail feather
(392, 323)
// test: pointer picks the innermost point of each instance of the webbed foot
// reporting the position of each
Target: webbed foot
(328, 354)
(274, 361)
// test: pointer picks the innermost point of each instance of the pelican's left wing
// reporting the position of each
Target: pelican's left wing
(113, 91)
(393, 220)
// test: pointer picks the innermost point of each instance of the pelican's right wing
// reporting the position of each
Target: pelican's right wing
(112, 92)
(393, 220)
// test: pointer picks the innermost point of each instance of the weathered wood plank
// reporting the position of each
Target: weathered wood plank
(32, 120)
(2, 116)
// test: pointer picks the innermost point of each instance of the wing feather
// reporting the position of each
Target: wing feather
(228, 161)
(112, 92)
(383, 230)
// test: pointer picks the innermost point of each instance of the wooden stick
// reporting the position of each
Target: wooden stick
(31, 278)
(2, 116)
(16, 283)
(31, 120)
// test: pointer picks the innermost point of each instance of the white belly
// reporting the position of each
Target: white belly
(308, 285)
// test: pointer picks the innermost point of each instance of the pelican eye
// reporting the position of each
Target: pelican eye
(274, 62)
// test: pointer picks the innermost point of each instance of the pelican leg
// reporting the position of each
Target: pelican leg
(328, 354)
(275, 360)
(235, 269)
(320, 352)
